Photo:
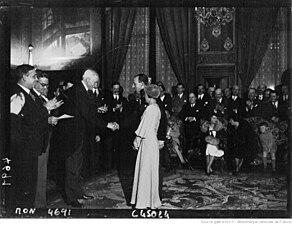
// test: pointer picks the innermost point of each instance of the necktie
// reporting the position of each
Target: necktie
(32, 96)
(96, 92)
(90, 94)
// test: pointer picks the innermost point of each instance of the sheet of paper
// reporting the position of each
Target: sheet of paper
(65, 116)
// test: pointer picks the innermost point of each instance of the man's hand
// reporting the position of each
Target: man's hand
(53, 104)
(102, 109)
(191, 119)
(118, 107)
(97, 138)
(16, 103)
(161, 144)
(113, 126)
(53, 120)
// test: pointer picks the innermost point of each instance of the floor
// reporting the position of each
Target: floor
(186, 189)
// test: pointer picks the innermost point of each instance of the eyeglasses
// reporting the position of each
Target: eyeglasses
(44, 85)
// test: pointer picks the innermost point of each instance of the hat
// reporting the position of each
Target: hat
(152, 90)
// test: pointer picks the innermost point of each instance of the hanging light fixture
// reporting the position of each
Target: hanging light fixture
(30, 48)
(214, 16)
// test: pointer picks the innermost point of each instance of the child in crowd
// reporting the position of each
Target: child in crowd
(268, 144)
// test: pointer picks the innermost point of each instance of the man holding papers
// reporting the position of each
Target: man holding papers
(40, 91)
(72, 135)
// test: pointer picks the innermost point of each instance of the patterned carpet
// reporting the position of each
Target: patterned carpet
(191, 190)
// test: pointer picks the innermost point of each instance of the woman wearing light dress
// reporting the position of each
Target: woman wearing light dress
(215, 138)
(145, 193)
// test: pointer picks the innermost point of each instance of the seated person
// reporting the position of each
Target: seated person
(173, 137)
(215, 138)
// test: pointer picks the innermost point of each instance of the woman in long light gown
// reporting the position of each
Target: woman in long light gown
(145, 192)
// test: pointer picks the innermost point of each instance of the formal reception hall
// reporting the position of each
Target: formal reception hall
(145, 109)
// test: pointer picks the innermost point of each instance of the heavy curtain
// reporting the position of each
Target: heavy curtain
(178, 32)
(164, 71)
(274, 62)
(118, 25)
(254, 28)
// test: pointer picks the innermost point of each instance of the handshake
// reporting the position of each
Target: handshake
(113, 126)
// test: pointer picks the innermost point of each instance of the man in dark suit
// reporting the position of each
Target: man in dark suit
(40, 91)
(191, 115)
(31, 123)
(220, 105)
(252, 105)
(260, 93)
(236, 104)
(273, 110)
(203, 100)
(179, 100)
(164, 98)
(116, 104)
(78, 104)
(92, 148)
(284, 102)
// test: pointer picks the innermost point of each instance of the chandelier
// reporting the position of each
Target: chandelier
(214, 16)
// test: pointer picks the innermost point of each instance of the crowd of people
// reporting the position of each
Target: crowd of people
(84, 130)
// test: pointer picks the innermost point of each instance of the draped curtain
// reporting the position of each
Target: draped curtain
(254, 29)
(274, 62)
(118, 25)
(164, 71)
(177, 28)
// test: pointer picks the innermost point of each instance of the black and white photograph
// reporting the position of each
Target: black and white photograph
(146, 109)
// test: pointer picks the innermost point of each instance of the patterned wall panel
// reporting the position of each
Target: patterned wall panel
(223, 58)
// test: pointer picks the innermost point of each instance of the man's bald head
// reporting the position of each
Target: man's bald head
(90, 78)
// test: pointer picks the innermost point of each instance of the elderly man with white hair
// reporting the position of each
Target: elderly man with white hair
(72, 135)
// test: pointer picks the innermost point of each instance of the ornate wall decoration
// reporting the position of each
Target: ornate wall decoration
(204, 45)
(216, 31)
(214, 16)
(216, 37)
(228, 45)
(227, 58)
